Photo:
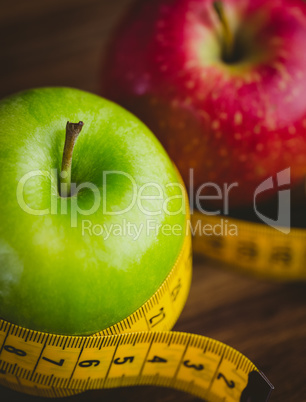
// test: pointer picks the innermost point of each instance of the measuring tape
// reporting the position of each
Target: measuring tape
(140, 350)
(252, 247)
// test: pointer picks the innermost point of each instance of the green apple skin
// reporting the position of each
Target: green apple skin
(53, 278)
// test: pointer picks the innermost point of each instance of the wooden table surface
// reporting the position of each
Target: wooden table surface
(62, 42)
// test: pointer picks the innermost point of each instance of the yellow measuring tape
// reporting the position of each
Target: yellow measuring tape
(253, 247)
(140, 350)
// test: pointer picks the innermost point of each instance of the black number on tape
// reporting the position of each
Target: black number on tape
(125, 360)
(230, 384)
(216, 242)
(157, 318)
(157, 359)
(60, 363)
(197, 367)
(281, 254)
(88, 363)
(176, 290)
(17, 352)
(248, 249)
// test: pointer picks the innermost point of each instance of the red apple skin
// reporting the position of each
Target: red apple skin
(239, 122)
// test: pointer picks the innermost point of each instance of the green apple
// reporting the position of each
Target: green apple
(80, 253)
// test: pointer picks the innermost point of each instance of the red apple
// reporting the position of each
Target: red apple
(223, 88)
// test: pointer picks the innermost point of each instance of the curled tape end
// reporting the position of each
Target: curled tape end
(259, 388)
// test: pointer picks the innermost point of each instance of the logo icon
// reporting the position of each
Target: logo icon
(282, 223)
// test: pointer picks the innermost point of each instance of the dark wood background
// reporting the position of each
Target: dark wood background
(62, 42)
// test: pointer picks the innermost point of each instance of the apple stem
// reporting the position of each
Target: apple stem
(72, 132)
(228, 39)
